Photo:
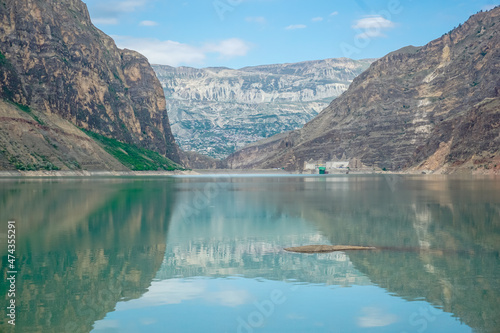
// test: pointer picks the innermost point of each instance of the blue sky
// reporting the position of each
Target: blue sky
(238, 33)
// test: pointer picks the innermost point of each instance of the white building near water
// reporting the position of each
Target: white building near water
(311, 165)
(337, 165)
(331, 165)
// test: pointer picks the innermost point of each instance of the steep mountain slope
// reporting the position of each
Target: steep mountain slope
(58, 71)
(218, 110)
(432, 108)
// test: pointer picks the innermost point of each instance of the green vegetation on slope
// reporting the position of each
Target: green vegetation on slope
(40, 162)
(133, 157)
(27, 109)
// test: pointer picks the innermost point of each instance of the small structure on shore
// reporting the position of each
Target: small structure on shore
(337, 165)
(320, 167)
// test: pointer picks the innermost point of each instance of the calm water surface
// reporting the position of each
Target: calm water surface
(203, 254)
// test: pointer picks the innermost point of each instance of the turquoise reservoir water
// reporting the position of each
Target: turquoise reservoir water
(202, 254)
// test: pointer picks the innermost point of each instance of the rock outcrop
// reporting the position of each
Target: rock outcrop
(60, 69)
(215, 111)
(435, 108)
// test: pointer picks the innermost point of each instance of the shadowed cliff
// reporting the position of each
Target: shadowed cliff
(58, 71)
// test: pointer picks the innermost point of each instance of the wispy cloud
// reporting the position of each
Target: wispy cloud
(174, 53)
(335, 13)
(374, 21)
(317, 19)
(373, 26)
(296, 26)
(256, 19)
(163, 52)
(148, 23)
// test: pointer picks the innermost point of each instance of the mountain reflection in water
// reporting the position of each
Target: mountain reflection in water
(82, 246)
(140, 255)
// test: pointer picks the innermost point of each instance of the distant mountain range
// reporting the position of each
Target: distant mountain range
(432, 108)
(216, 111)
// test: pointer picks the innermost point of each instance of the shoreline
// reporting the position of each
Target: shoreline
(87, 173)
(211, 172)
(196, 172)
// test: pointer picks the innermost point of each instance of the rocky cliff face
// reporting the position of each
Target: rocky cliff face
(55, 64)
(217, 110)
(434, 108)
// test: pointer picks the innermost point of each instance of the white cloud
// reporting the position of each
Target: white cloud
(372, 26)
(162, 52)
(375, 317)
(256, 19)
(317, 19)
(174, 53)
(334, 13)
(105, 21)
(148, 23)
(296, 26)
(373, 21)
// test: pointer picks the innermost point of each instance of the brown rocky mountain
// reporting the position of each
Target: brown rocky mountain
(435, 108)
(60, 74)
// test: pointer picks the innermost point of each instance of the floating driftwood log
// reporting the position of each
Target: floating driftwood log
(327, 248)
